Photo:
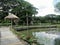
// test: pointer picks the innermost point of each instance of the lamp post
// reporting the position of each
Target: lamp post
(27, 21)
(24, 8)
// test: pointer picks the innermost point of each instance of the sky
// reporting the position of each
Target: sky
(45, 6)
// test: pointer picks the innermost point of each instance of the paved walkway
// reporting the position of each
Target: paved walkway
(8, 38)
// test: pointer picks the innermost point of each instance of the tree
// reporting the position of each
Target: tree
(19, 8)
(25, 10)
(5, 6)
(57, 7)
(58, 18)
(8, 4)
(50, 18)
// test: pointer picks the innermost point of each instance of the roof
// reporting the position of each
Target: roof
(11, 16)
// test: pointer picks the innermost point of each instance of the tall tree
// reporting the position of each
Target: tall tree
(58, 18)
(24, 10)
(50, 17)
(5, 6)
(19, 7)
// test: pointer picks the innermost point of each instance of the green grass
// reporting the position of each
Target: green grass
(42, 24)
(29, 32)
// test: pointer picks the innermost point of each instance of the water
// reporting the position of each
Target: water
(47, 38)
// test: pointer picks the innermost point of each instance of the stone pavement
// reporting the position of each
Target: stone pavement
(8, 38)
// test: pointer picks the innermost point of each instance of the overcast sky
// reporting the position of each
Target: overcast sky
(45, 6)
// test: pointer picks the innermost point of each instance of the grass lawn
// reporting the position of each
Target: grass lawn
(29, 32)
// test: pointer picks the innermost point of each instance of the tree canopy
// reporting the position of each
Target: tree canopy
(57, 7)
(19, 8)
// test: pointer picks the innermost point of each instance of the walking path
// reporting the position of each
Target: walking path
(8, 38)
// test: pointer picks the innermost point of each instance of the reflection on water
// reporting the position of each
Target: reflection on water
(47, 38)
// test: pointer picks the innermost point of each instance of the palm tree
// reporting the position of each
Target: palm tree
(25, 10)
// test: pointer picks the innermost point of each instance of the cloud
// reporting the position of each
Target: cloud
(40, 3)
(45, 6)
